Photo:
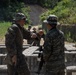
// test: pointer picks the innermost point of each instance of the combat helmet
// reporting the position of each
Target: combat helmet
(19, 16)
(51, 20)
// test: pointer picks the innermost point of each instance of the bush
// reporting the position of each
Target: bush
(6, 14)
(65, 10)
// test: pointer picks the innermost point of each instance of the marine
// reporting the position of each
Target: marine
(53, 53)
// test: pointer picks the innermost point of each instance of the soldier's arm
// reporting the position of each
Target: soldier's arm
(26, 34)
(47, 49)
(10, 42)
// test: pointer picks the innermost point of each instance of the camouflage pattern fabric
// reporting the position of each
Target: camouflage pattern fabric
(53, 53)
(14, 45)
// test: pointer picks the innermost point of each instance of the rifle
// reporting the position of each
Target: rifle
(15, 69)
(40, 55)
(42, 60)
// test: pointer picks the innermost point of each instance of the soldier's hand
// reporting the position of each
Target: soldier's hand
(14, 59)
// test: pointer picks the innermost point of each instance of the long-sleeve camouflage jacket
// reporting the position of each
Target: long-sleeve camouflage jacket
(14, 39)
(53, 52)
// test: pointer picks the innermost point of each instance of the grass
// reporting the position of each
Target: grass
(3, 28)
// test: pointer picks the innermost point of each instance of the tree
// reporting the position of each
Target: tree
(4, 3)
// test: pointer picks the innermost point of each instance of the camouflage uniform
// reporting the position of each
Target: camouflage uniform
(14, 45)
(54, 52)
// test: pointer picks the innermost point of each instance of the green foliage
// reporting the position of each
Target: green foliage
(48, 3)
(7, 14)
(68, 37)
(4, 3)
(3, 27)
(65, 10)
(7, 3)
